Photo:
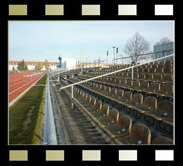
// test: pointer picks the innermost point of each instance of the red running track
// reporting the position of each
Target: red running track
(18, 83)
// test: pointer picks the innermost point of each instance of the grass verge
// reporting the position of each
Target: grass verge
(13, 72)
(26, 115)
(42, 80)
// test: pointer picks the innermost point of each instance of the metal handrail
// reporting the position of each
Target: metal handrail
(150, 53)
(49, 127)
(131, 67)
(61, 71)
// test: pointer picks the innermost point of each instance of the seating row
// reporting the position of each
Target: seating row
(161, 64)
(117, 128)
(137, 70)
(160, 91)
(145, 110)
(162, 78)
(168, 78)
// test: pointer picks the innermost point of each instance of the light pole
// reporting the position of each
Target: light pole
(107, 57)
(80, 51)
(86, 62)
(114, 53)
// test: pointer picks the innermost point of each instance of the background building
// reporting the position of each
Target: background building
(31, 65)
(162, 50)
(68, 63)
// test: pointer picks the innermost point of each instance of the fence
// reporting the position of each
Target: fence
(143, 57)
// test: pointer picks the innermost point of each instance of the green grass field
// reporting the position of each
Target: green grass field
(43, 80)
(26, 115)
(12, 72)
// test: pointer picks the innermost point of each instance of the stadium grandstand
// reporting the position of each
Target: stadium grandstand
(121, 104)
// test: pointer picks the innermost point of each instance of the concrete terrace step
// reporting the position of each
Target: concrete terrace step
(94, 133)
(75, 123)
(97, 138)
(91, 130)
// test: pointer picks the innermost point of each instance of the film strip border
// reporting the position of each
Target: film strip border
(90, 10)
(89, 155)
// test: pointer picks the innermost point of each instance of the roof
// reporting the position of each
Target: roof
(32, 63)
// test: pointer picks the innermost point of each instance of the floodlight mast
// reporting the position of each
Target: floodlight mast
(114, 53)
(107, 58)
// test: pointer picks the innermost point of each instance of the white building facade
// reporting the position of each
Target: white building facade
(68, 63)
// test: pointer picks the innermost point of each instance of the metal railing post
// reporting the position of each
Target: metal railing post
(72, 95)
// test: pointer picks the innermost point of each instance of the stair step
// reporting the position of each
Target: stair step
(91, 130)
(101, 142)
(94, 133)
(88, 126)
(97, 138)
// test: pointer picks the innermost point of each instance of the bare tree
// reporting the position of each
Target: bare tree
(135, 46)
(163, 41)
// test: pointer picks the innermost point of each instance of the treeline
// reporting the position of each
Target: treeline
(40, 65)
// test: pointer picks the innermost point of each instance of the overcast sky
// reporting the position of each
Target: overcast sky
(40, 40)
